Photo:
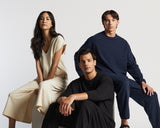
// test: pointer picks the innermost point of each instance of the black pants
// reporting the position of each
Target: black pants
(89, 116)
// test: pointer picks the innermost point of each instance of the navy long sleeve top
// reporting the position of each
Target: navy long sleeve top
(113, 55)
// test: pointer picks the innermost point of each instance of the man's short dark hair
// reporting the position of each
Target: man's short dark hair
(113, 13)
(85, 51)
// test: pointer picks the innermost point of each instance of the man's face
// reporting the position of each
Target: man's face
(87, 64)
(110, 24)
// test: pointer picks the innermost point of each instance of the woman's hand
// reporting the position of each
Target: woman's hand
(39, 71)
(55, 62)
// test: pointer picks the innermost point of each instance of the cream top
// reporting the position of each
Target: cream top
(46, 58)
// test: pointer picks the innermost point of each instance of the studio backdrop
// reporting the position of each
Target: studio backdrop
(77, 20)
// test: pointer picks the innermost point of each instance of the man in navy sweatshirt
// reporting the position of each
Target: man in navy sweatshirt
(115, 58)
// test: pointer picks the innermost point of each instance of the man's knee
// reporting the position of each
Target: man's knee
(87, 103)
(87, 106)
(152, 98)
(53, 109)
(122, 85)
(121, 81)
(155, 95)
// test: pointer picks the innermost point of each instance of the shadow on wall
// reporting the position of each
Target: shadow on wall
(37, 118)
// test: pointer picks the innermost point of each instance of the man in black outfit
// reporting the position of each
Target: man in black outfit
(92, 95)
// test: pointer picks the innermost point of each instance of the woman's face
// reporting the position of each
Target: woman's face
(45, 22)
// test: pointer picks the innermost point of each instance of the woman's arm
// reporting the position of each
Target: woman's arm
(39, 71)
(55, 62)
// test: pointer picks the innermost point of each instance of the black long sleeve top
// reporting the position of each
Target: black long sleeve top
(100, 90)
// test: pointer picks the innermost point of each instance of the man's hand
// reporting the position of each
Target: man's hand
(150, 90)
(66, 102)
(65, 105)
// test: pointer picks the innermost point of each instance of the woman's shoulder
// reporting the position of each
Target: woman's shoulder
(58, 39)
(57, 43)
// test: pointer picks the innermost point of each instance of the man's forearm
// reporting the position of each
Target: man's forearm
(77, 96)
(80, 96)
(66, 102)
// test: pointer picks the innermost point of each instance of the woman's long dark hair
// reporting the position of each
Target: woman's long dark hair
(37, 41)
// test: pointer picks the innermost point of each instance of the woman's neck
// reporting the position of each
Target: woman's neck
(46, 36)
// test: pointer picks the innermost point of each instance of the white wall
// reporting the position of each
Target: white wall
(77, 20)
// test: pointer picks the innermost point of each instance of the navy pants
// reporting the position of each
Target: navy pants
(125, 88)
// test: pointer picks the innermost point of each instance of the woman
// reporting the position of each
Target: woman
(48, 48)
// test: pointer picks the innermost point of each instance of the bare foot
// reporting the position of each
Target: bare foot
(124, 122)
